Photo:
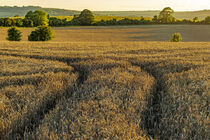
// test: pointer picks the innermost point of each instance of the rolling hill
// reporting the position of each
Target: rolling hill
(6, 11)
(179, 15)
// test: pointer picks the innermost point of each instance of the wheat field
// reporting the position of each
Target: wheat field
(104, 90)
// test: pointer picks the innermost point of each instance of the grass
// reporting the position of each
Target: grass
(110, 90)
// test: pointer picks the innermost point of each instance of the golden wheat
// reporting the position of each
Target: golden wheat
(113, 90)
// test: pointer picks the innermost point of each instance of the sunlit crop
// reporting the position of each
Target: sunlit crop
(104, 90)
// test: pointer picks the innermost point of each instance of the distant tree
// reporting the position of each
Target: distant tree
(86, 17)
(55, 21)
(176, 37)
(14, 34)
(41, 33)
(7, 22)
(186, 21)
(207, 19)
(28, 23)
(14, 21)
(1, 22)
(165, 15)
(38, 17)
(112, 22)
(16, 16)
(29, 15)
(19, 22)
(75, 20)
(101, 23)
(195, 19)
(142, 18)
(155, 19)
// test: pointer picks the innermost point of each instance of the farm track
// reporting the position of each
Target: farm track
(51, 104)
(153, 109)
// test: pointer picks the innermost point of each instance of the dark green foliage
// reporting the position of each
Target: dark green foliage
(86, 17)
(28, 23)
(19, 22)
(29, 15)
(195, 19)
(125, 21)
(7, 22)
(75, 20)
(14, 34)
(41, 33)
(207, 19)
(155, 19)
(53, 21)
(176, 37)
(34, 36)
(38, 17)
(1, 22)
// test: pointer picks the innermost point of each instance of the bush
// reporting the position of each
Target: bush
(176, 37)
(41, 33)
(14, 34)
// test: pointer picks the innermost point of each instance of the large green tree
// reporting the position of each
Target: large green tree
(38, 17)
(86, 17)
(165, 15)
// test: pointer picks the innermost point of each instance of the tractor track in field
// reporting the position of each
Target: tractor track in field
(35, 120)
(151, 116)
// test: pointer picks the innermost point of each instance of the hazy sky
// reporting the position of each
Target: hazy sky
(99, 5)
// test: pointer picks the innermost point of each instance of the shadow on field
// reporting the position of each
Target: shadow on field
(190, 33)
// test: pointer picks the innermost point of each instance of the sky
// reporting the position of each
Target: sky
(113, 5)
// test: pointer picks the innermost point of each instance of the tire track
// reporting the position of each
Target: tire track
(46, 107)
(152, 116)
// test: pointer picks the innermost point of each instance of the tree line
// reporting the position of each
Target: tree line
(86, 17)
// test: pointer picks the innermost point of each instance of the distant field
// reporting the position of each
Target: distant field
(190, 33)
(104, 90)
